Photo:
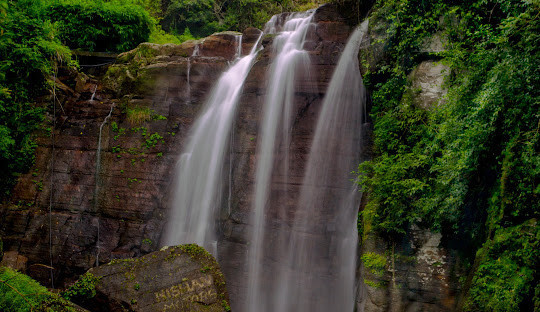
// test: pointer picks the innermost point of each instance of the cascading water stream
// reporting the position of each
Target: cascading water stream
(188, 73)
(198, 188)
(93, 93)
(320, 259)
(290, 59)
(98, 176)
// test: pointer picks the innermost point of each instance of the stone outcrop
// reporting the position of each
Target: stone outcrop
(419, 274)
(180, 278)
(15, 261)
(427, 83)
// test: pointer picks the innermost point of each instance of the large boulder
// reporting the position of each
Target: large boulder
(180, 278)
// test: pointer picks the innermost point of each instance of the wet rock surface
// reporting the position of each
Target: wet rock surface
(179, 278)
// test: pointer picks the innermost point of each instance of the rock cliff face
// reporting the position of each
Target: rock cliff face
(153, 107)
(155, 93)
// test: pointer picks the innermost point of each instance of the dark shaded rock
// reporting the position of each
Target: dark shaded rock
(181, 278)
(420, 274)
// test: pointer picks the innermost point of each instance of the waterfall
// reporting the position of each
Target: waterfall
(290, 59)
(98, 175)
(320, 259)
(199, 171)
(308, 261)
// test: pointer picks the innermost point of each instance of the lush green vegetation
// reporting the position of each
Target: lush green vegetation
(29, 50)
(100, 26)
(470, 166)
(82, 290)
(204, 17)
(20, 293)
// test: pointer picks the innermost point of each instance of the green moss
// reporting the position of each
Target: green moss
(375, 263)
(20, 293)
(374, 284)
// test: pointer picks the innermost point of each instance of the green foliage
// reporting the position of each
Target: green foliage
(29, 51)
(20, 293)
(153, 140)
(225, 305)
(470, 166)
(159, 36)
(375, 263)
(84, 288)
(506, 277)
(204, 17)
(114, 26)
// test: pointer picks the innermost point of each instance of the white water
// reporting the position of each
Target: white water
(320, 259)
(275, 129)
(199, 172)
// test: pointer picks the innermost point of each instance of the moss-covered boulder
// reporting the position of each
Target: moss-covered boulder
(180, 278)
(19, 292)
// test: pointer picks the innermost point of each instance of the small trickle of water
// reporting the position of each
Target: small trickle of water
(196, 50)
(93, 93)
(199, 184)
(98, 177)
(188, 72)
(238, 41)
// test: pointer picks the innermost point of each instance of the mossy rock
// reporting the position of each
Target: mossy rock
(179, 278)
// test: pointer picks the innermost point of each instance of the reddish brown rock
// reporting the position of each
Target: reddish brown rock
(138, 158)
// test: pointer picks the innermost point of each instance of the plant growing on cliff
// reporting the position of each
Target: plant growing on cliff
(84, 288)
(469, 167)
(29, 52)
(138, 115)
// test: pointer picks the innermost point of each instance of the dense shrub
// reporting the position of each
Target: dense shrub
(100, 26)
